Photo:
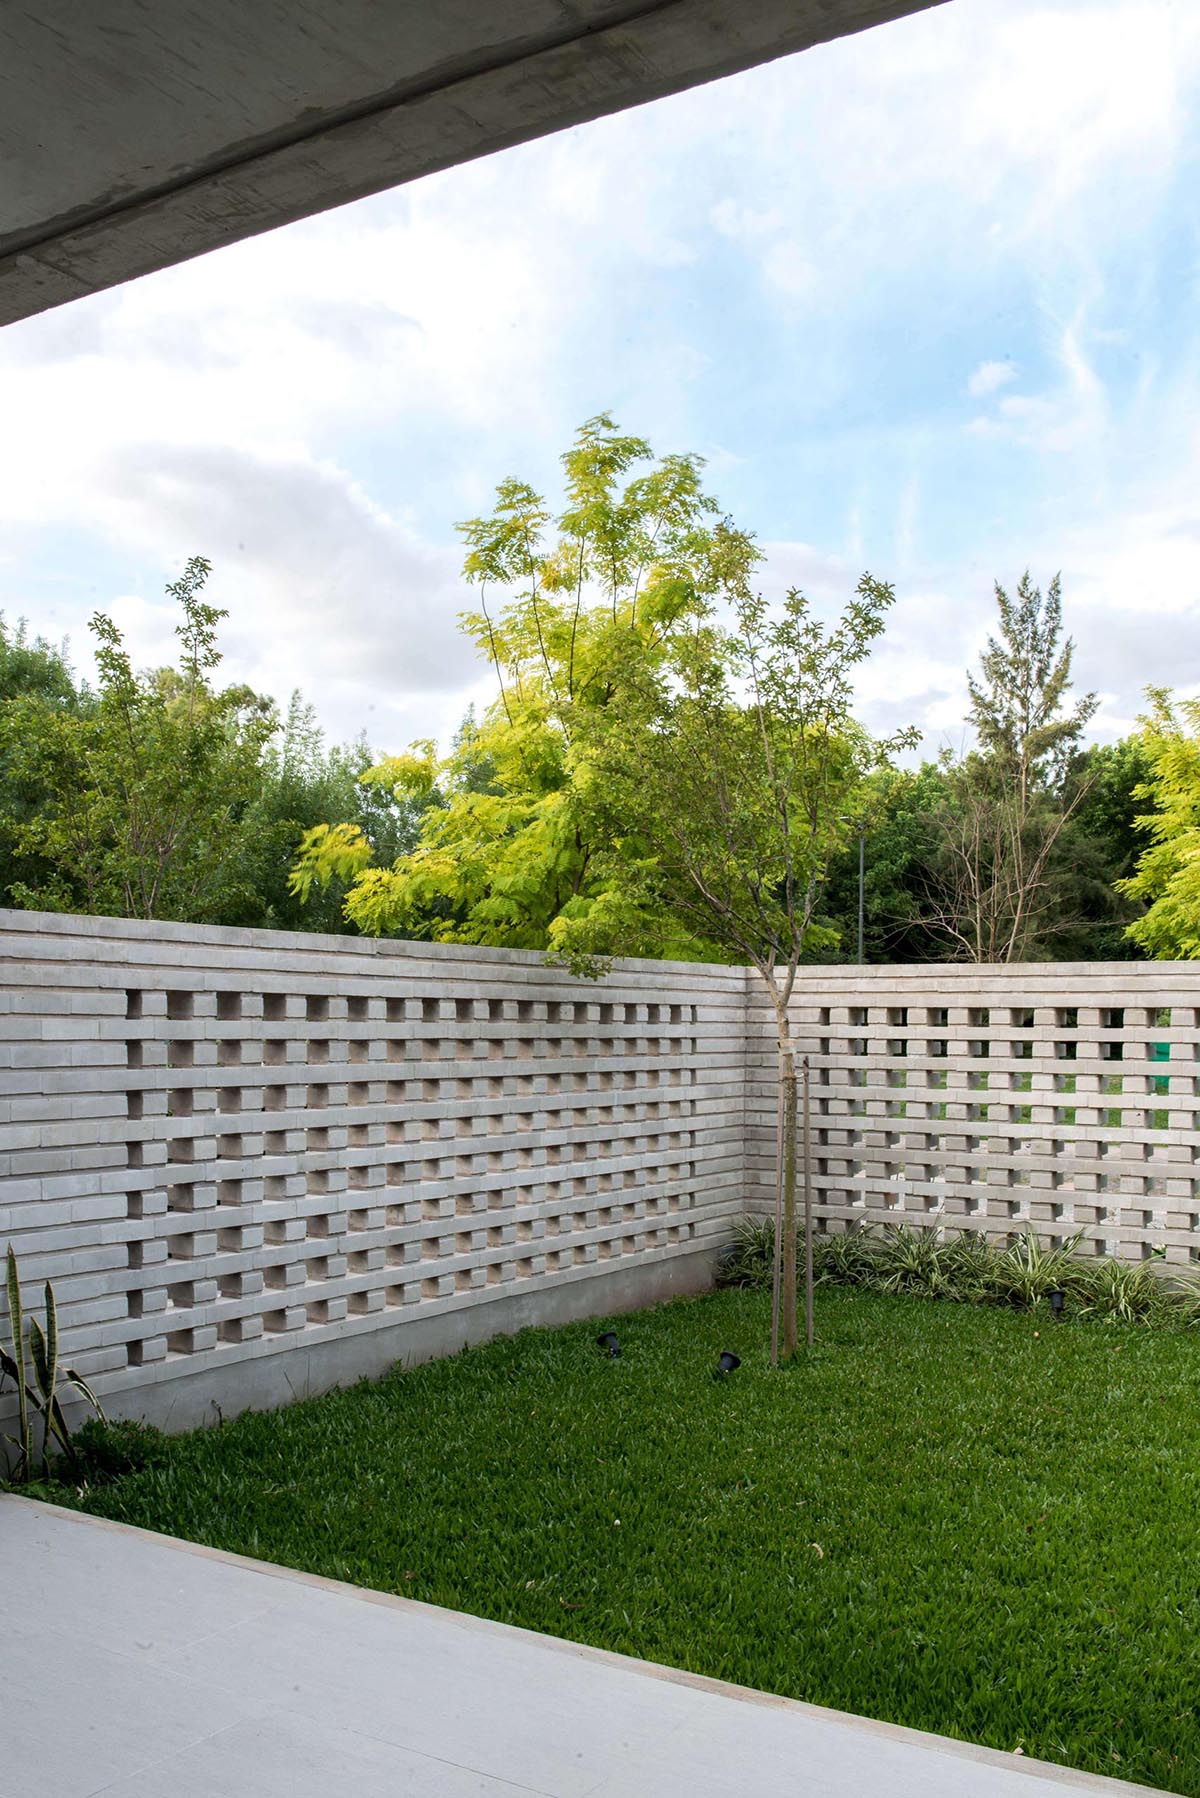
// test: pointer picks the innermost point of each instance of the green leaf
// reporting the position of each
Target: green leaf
(16, 1362)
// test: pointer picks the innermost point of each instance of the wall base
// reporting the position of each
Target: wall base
(214, 1393)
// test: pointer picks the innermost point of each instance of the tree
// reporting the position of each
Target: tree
(1097, 852)
(734, 771)
(514, 840)
(1018, 703)
(31, 671)
(909, 812)
(34, 666)
(1167, 877)
(896, 814)
(305, 782)
(148, 789)
(992, 894)
(668, 767)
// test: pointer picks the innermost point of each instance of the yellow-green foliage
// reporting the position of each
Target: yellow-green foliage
(518, 843)
(1168, 873)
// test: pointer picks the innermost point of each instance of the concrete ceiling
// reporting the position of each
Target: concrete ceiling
(137, 133)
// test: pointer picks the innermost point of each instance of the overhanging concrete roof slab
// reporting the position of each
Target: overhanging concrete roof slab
(137, 133)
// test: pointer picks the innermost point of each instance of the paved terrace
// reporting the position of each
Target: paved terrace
(141, 1667)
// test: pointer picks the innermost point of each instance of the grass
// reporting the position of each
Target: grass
(966, 1519)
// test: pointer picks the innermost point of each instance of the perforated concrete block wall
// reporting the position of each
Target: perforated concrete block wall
(257, 1164)
(254, 1164)
(1058, 1097)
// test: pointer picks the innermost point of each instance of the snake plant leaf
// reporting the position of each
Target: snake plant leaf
(11, 1371)
(43, 1346)
(56, 1426)
(77, 1380)
(17, 1359)
(39, 1355)
(52, 1335)
(41, 1361)
(40, 1397)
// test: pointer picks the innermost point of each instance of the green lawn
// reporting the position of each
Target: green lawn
(968, 1520)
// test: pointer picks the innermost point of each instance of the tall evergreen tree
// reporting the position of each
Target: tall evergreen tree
(995, 892)
(1019, 708)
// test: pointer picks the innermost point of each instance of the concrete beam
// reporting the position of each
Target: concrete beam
(135, 134)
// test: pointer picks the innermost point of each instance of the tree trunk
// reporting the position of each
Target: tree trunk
(808, 1217)
(776, 1257)
(788, 1095)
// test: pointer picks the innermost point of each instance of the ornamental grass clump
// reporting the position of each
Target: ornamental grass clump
(1029, 1270)
(920, 1261)
(1133, 1292)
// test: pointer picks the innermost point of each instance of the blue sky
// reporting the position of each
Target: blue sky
(926, 299)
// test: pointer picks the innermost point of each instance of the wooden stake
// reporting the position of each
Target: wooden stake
(777, 1257)
(788, 1283)
(808, 1219)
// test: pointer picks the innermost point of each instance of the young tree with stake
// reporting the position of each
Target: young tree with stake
(736, 771)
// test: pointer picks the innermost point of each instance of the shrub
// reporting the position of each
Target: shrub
(845, 1260)
(920, 1262)
(747, 1259)
(1131, 1292)
(1028, 1270)
(108, 1448)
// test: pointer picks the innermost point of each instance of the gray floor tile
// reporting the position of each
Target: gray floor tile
(297, 1757)
(75, 1716)
(710, 1758)
(429, 1682)
(145, 1596)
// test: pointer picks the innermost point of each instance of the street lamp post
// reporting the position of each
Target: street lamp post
(862, 837)
(843, 818)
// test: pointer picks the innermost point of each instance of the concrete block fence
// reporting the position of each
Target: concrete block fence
(1059, 1097)
(257, 1164)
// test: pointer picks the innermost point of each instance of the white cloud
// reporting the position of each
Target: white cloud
(989, 377)
(828, 579)
(1071, 415)
(1089, 95)
(1006, 127)
(325, 590)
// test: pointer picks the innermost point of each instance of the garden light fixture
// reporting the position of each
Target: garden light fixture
(1058, 1299)
(727, 1363)
(608, 1340)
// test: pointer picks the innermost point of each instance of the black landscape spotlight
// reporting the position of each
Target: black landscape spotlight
(607, 1340)
(1058, 1299)
(726, 1364)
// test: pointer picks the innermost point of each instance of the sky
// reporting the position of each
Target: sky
(926, 299)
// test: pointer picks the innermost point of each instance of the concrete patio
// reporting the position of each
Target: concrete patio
(142, 1667)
